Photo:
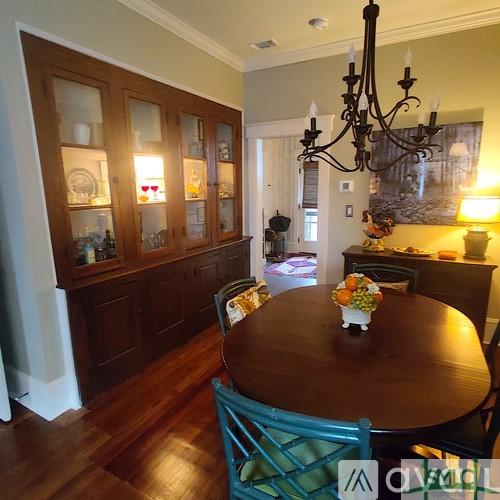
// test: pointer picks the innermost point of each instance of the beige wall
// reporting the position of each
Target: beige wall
(463, 67)
(30, 332)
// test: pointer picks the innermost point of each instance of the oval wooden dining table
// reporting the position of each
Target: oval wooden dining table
(418, 369)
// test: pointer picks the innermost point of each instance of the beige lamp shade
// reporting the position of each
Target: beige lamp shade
(479, 209)
(459, 150)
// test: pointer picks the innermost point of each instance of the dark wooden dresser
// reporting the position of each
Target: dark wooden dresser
(463, 284)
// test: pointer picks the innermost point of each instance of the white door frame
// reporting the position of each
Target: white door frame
(254, 134)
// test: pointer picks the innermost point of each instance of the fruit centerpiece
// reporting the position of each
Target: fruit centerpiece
(376, 227)
(357, 296)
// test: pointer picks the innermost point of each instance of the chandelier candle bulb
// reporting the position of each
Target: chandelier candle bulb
(313, 110)
(421, 118)
(363, 102)
(351, 55)
(408, 58)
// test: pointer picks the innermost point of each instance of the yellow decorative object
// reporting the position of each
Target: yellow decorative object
(143, 198)
(246, 302)
(194, 186)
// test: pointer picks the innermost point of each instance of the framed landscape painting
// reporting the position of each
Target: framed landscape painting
(426, 192)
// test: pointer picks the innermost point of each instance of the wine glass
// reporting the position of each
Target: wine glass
(144, 197)
(155, 189)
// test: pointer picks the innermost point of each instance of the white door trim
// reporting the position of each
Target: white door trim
(254, 134)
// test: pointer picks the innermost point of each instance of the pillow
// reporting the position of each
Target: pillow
(397, 285)
(246, 302)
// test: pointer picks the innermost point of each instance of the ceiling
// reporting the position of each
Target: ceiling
(229, 26)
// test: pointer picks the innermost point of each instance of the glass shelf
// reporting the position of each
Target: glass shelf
(87, 177)
(193, 139)
(93, 235)
(224, 142)
(80, 113)
(195, 179)
(196, 220)
(226, 197)
(149, 179)
(154, 232)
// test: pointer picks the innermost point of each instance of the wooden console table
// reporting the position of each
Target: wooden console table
(464, 284)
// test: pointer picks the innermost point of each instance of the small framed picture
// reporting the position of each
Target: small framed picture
(200, 130)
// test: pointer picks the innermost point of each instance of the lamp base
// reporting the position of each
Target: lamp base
(476, 242)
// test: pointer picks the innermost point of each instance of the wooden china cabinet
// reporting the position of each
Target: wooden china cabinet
(143, 190)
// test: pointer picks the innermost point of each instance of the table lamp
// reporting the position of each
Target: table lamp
(478, 210)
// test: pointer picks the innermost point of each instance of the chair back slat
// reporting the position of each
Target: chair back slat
(491, 351)
(227, 292)
(389, 272)
(274, 453)
(493, 430)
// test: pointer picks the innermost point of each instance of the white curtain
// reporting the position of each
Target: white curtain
(4, 398)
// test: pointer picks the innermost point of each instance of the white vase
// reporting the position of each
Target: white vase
(81, 133)
(355, 317)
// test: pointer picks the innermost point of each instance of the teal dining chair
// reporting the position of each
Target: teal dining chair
(227, 292)
(273, 453)
(388, 273)
(490, 356)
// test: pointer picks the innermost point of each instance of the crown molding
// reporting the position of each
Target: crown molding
(423, 30)
(163, 18)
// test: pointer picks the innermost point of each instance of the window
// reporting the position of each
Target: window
(311, 224)
(310, 193)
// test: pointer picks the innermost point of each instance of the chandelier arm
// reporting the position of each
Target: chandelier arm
(328, 158)
(347, 126)
(397, 140)
(392, 163)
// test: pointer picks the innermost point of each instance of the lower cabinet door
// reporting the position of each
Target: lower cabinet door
(208, 276)
(168, 309)
(237, 262)
(115, 330)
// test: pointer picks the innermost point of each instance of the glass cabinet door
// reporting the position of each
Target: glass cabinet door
(150, 180)
(195, 178)
(85, 164)
(226, 181)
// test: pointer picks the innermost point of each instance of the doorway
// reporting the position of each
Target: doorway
(290, 224)
(254, 190)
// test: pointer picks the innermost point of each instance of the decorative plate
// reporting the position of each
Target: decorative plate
(80, 180)
(412, 251)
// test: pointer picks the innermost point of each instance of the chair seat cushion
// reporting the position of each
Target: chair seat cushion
(307, 452)
(465, 440)
(246, 302)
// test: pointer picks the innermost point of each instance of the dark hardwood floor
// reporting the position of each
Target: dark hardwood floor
(154, 436)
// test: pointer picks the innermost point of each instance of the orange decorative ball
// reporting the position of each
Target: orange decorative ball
(351, 283)
(344, 296)
(378, 297)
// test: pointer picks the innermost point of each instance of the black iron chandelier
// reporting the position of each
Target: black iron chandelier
(361, 102)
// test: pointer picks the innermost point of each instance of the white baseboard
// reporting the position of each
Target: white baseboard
(489, 328)
(47, 399)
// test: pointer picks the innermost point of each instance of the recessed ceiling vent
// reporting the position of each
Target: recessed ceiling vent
(266, 44)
